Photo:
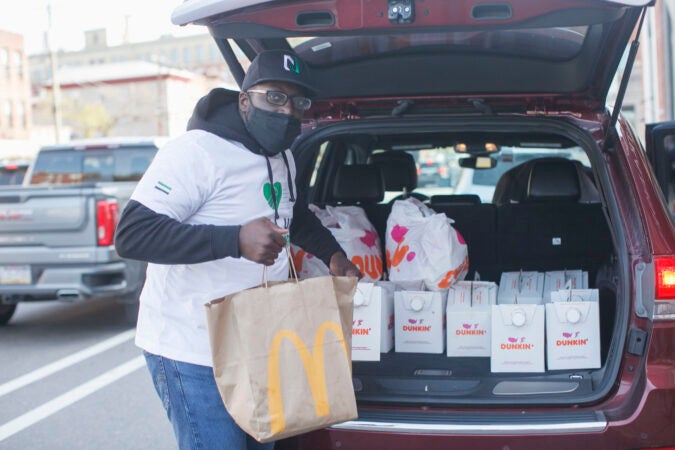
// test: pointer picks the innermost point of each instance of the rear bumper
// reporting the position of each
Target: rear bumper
(651, 426)
(70, 283)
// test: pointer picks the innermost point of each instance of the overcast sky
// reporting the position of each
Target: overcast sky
(146, 19)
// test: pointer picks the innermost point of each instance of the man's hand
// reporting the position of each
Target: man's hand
(341, 266)
(261, 241)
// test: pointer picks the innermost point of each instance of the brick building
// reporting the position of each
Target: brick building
(132, 98)
(15, 110)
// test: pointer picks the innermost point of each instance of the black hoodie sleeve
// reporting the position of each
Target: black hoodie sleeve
(145, 235)
(308, 232)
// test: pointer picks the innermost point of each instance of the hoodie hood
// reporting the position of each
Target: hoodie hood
(218, 113)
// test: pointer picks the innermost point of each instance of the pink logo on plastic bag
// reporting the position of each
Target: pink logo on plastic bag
(569, 335)
(412, 321)
(460, 238)
(398, 233)
(369, 238)
(466, 325)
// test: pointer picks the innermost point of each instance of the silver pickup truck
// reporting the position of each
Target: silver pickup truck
(56, 231)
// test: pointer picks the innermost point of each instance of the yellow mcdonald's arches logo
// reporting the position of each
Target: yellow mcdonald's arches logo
(314, 365)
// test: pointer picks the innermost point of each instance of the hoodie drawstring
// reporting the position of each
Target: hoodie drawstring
(288, 173)
(275, 205)
(272, 190)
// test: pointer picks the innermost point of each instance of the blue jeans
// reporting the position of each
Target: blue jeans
(194, 407)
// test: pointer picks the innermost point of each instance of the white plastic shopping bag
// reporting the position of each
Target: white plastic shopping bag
(423, 245)
(355, 234)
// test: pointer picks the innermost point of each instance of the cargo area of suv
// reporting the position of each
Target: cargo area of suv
(505, 117)
(546, 213)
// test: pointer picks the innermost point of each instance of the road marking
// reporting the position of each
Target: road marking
(53, 406)
(68, 361)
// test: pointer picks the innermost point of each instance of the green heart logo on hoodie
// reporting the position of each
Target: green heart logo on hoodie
(267, 192)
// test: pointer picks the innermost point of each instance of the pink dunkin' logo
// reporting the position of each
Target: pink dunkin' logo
(516, 344)
(369, 238)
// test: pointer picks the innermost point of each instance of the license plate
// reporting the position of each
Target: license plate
(14, 274)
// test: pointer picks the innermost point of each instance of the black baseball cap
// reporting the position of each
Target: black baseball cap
(279, 65)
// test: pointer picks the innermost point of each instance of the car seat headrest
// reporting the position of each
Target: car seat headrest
(358, 183)
(398, 170)
(553, 179)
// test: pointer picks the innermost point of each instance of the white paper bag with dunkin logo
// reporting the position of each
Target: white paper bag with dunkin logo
(419, 318)
(468, 318)
(563, 279)
(573, 330)
(373, 321)
(517, 338)
(521, 288)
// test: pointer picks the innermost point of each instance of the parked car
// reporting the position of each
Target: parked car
(432, 173)
(56, 231)
(402, 74)
(12, 172)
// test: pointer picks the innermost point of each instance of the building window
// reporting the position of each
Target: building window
(4, 62)
(199, 54)
(7, 113)
(174, 56)
(187, 56)
(212, 53)
(18, 63)
(21, 115)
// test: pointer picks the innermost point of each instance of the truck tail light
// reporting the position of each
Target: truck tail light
(664, 307)
(106, 221)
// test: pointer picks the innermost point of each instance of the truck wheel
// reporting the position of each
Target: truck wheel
(6, 313)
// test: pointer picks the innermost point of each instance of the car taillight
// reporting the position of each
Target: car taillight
(664, 307)
(443, 170)
(106, 221)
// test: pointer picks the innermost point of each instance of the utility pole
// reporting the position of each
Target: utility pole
(56, 86)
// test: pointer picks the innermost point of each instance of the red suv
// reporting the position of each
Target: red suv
(476, 82)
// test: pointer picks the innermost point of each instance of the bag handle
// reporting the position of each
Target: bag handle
(294, 272)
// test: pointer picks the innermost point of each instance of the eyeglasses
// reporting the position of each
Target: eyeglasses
(278, 98)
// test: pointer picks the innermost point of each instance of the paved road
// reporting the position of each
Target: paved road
(71, 378)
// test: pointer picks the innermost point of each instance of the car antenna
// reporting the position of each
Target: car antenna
(632, 53)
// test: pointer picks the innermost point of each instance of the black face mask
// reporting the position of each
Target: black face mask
(275, 132)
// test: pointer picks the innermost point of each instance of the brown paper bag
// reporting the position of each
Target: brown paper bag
(281, 355)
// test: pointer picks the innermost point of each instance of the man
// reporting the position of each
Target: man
(211, 211)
